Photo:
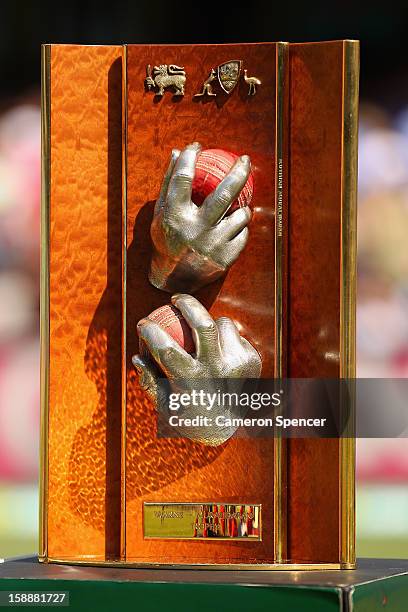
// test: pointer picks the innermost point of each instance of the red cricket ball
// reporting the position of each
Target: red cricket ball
(211, 167)
(172, 321)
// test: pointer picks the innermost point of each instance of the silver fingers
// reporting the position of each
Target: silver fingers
(229, 227)
(161, 200)
(181, 181)
(234, 247)
(216, 205)
(148, 376)
(169, 355)
(221, 354)
(194, 246)
(203, 327)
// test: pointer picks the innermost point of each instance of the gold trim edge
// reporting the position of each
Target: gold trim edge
(210, 566)
(124, 298)
(348, 288)
(279, 446)
(44, 293)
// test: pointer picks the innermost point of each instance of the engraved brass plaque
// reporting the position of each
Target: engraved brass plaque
(202, 521)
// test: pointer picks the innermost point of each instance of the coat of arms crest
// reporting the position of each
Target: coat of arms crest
(228, 74)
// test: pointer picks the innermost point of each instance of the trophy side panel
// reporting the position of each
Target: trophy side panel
(315, 264)
(85, 275)
(181, 470)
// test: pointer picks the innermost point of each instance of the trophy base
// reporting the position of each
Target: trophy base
(307, 567)
(104, 589)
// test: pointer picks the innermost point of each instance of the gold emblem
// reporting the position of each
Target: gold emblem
(165, 76)
(228, 74)
(253, 83)
(207, 87)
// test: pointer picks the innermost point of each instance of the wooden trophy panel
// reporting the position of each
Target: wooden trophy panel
(315, 277)
(82, 163)
(240, 471)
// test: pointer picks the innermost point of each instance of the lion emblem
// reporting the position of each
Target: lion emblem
(165, 76)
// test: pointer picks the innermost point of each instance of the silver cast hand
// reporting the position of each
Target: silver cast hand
(195, 245)
(221, 353)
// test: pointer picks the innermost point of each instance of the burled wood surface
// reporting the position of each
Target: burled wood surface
(85, 301)
(316, 74)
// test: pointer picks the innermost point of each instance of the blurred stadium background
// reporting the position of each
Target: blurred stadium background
(382, 339)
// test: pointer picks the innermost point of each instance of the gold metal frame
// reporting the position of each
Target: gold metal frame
(124, 314)
(306, 567)
(351, 59)
(45, 293)
(347, 327)
(279, 444)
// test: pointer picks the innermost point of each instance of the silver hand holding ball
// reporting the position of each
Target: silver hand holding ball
(195, 245)
(221, 353)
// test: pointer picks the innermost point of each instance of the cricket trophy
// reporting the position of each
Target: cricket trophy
(198, 223)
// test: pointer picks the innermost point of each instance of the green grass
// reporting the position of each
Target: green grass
(12, 546)
(392, 548)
